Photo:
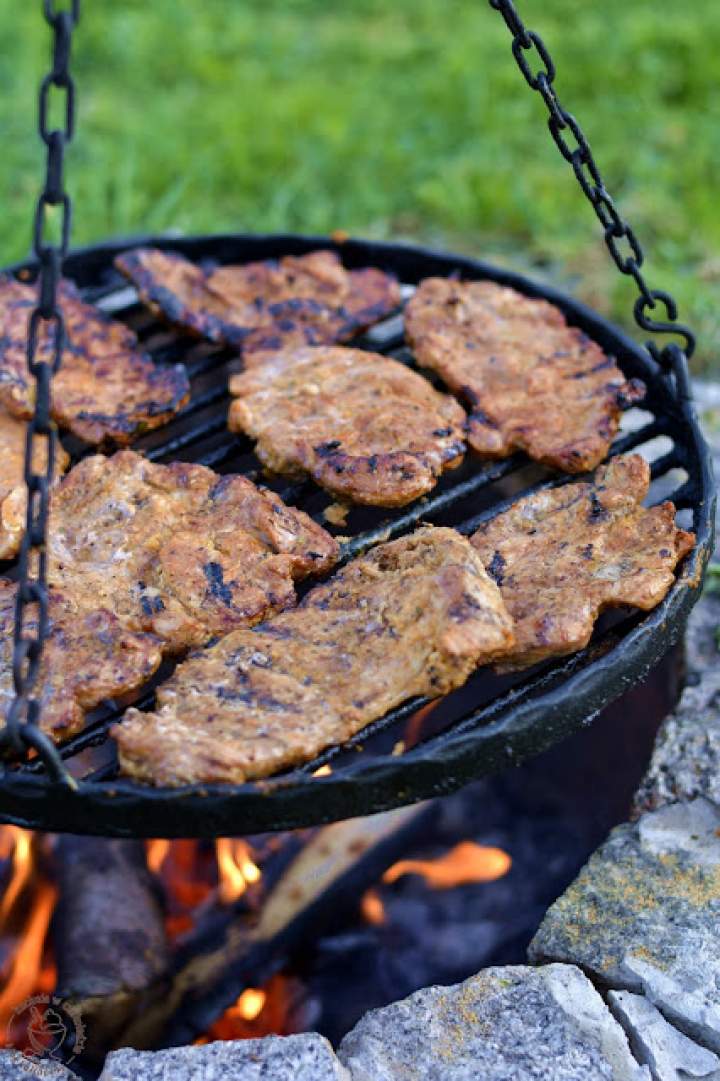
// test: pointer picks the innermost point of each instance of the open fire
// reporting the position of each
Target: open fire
(286, 932)
(196, 878)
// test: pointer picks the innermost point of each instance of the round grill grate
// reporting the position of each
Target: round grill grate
(420, 749)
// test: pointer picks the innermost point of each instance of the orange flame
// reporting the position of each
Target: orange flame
(466, 862)
(236, 868)
(259, 1011)
(250, 1003)
(414, 726)
(25, 973)
(18, 842)
(157, 851)
(372, 908)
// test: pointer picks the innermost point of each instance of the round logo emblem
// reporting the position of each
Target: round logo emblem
(46, 1030)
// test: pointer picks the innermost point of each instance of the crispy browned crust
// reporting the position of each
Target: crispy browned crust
(365, 427)
(13, 493)
(563, 555)
(178, 550)
(88, 657)
(414, 616)
(298, 300)
(106, 389)
(532, 382)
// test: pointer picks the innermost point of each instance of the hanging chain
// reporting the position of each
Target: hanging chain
(45, 343)
(574, 147)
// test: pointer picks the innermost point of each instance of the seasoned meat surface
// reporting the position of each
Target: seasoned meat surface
(178, 550)
(298, 300)
(88, 656)
(13, 493)
(365, 427)
(413, 617)
(532, 382)
(106, 390)
(563, 555)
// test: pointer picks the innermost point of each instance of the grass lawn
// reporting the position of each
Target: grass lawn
(405, 119)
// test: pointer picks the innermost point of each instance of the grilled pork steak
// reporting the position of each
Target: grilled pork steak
(365, 427)
(413, 617)
(88, 656)
(106, 389)
(298, 300)
(176, 549)
(531, 382)
(563, 555)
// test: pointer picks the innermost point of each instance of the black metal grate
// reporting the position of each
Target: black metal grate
(491, 722)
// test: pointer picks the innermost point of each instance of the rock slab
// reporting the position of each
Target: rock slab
(643, 915)
(505, 1024)
(670, 1055)
(274, 1058)
(686, 759)
(14, 1066)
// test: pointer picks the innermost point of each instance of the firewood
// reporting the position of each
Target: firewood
(110, 939)
(331, 872)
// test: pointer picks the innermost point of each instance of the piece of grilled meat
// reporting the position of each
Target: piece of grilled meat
(176, 549)
(13, 492)
(107, 390)
(532, 382)
(563, 555)
(413, 617)
(364, 426)
(88, 656)
(298, 300)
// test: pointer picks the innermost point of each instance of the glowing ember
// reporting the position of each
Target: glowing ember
(466, 862)
(322, 771)
(236, 868)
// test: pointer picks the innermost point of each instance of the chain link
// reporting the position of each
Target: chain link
(538, 69)
(45, 343)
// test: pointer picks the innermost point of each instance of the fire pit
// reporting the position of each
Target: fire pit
(178, 941)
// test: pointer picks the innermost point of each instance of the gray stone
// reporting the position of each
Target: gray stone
(275, 1058)
(506, 1024)
(686, 757)
(14, 1066)
(643, 915)
(670, 1055)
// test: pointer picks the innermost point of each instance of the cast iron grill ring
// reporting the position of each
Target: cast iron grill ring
(490, 724)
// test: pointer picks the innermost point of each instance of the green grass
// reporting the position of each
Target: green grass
(389, 119)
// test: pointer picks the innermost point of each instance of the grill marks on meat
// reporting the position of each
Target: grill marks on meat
(177, 550)
(13, 493)
(413, 617)
(365, 427)
(298, 300)
(88, 657)
(106, 389)
(533, 383)
(562, 556)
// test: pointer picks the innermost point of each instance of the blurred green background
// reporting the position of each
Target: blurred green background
(402, 118)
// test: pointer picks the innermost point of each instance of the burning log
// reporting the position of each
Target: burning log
(330, 872)
(110, 939)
